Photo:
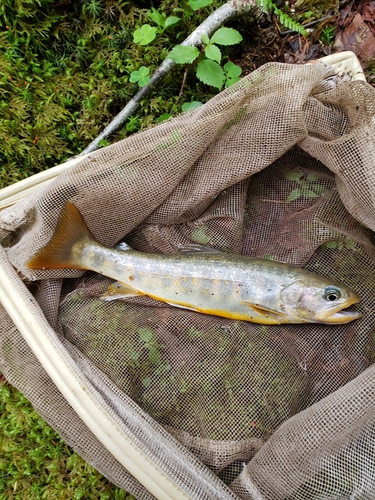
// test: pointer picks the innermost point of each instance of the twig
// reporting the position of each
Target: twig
(182, 85)
(208, 27)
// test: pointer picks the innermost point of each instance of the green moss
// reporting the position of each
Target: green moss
(36, 464)
(65, 73)
(218, 383)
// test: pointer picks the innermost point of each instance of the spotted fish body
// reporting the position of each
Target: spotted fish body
(207, 281)
(216, 283)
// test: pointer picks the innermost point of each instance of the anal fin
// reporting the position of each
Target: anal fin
(182, 307)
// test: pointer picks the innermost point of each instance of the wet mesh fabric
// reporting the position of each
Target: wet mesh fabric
(278, 166)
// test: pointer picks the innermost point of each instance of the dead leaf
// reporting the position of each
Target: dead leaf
(358, 38)
(368, 13)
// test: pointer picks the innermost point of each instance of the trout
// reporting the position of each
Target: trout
(200, 278)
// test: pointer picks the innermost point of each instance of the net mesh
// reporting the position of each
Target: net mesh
(278, 166)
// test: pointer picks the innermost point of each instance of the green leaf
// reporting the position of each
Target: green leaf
(140, 76)
(170, 21)
(294, 175)
(142, 82)
(213, 53)
(154, 355)
(331, 244)
(155, 16)
(199, 4)
(232, 70)
(143, 71)
(287, 21)
(189, 106)
(146, 334)
(319, 188)
(183, 54)
(211, 73)
(312, 177)
(200, 236)
(134, 77)
(294, 195)
(232, 73)
(146, 382)
(104, 142)
(144, 35)
(163, 117)
(205, 39)
(309, 193)
(230, 81)
(226, 36)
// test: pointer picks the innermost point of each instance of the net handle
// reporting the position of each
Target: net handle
(25, 313)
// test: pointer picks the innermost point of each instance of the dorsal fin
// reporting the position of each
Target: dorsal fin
(124, 247)
(190, 248)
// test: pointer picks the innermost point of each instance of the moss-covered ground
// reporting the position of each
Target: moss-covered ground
(36, 464)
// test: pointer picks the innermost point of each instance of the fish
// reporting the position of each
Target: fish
(200, 279)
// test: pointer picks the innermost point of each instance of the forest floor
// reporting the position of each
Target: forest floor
(334, 27)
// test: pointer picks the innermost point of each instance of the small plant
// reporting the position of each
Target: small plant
(327, 36)
(104, 142)
(161, 19)
(340, 243)
(285, 20)
(147, 34)
(207, 61)
(231, 73)
(307, 186)
(144, 35)
(140, 76)
(35, 462)
(209, 70)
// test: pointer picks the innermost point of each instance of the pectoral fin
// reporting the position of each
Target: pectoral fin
(119, 291)
(262, 310)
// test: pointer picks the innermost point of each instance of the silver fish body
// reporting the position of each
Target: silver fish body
(210, 282)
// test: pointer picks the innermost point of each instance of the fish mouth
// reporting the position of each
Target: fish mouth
(341, 317)
(340, 314)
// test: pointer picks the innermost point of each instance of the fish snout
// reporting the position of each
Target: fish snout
(338, 314)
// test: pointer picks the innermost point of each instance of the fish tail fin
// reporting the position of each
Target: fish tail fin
(65, 247)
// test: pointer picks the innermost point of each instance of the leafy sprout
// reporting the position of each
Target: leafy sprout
(144, 35)
(140, 76)
(307, 185)
(208, 68)
(328, 34)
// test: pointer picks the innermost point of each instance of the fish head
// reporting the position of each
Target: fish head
(313, 299)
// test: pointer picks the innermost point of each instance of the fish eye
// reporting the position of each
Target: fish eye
(332, 293)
